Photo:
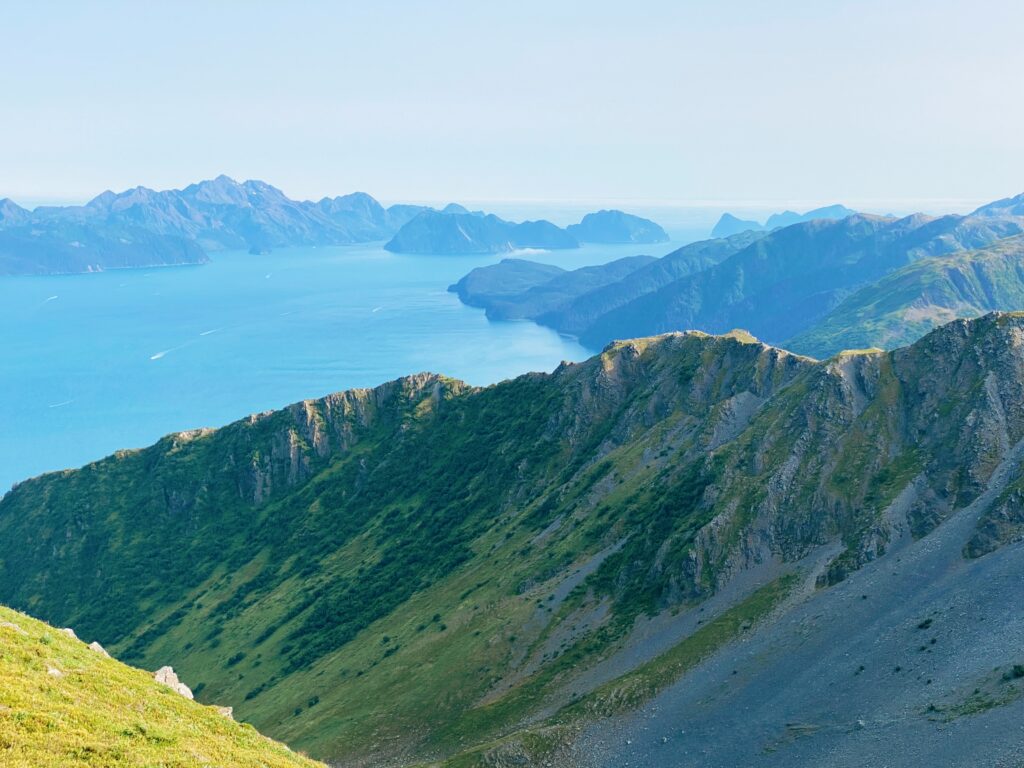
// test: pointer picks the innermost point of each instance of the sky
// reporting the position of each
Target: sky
(680, 102)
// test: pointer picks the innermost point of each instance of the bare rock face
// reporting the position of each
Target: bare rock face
(228, 712)
(99, 649)
(167, 676)
(69, 632)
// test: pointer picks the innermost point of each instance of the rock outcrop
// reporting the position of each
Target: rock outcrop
(166, 676)
(94, 646)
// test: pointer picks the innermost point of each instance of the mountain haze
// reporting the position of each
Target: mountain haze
(144, 227)
(457, 230)
(785, 285)
(731, 225)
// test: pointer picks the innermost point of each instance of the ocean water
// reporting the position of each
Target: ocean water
(93, 363)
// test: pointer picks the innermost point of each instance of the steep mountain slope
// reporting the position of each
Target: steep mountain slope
(789, 279)
(566, 301)
(12, 214)
(515, 288)
(63, 703)
(1007, 207)
(908, 303)
(779, 284)
(578, 314)
(915, 660)
(429, 571)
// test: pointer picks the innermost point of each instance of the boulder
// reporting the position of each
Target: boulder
(99, 649)
(166, 676)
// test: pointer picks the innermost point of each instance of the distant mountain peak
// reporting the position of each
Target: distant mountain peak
(12, 213)
(102, 200)
(615, 226)
(1008, 206)
(730, 225)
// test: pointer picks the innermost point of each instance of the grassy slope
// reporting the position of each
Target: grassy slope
(910, 302)
(99, 712)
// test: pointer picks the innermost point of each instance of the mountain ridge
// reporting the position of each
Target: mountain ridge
(728, 224)
(782, 284)
(457, 230)
(144, 227)
(330, 545)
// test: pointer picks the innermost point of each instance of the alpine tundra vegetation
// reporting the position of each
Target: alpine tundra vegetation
(67, 704)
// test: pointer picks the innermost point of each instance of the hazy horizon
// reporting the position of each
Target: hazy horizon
(670, 103)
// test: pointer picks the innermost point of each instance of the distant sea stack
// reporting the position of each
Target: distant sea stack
(617, 227)
(444, 232)
(455, 229)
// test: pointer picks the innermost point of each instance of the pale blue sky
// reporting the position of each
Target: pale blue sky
(650, 102)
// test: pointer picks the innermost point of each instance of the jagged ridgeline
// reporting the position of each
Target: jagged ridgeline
(415, 571)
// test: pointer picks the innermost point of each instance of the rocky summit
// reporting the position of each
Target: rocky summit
(806, 548)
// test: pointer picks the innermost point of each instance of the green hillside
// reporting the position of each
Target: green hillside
(429, 571)
(65, 704)
(905, 305)
(795, 283)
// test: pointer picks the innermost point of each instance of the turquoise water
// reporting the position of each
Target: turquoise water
(93, 363)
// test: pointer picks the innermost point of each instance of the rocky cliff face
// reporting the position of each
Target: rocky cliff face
(507, 551)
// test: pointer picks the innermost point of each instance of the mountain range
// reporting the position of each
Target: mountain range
(682, 537)
(459, 231)
(731, 225)
(143, 227)
(816, 287)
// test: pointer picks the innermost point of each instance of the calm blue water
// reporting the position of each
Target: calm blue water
(93, 363)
